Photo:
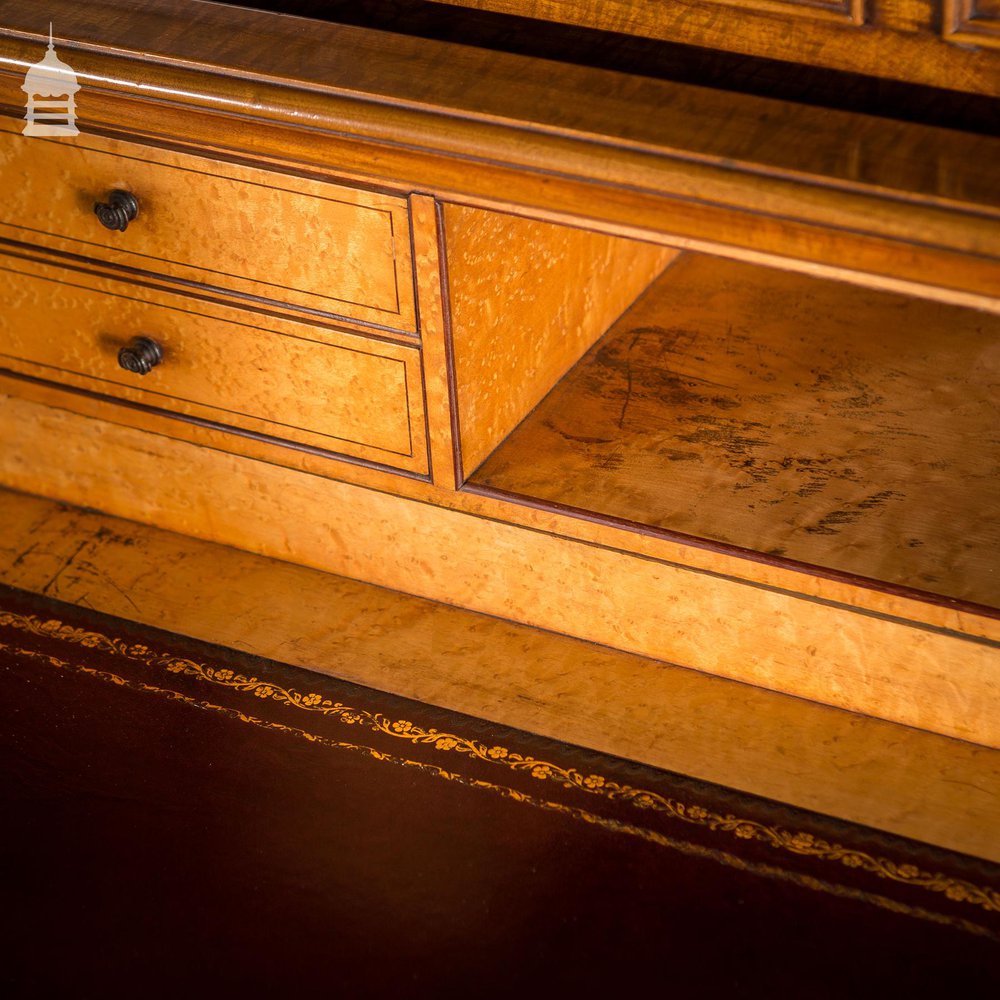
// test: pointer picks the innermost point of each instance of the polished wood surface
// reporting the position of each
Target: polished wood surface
(293, 241)
(902, 670)
(905, 781)
(698, 555)
(971, 22)
(310, 385)
(527, 299)
(902, 202)
(838, 427)
(598, 156)
(435, 350)
(920, 42)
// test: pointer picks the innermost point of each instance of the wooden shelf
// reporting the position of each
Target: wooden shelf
(852, 430)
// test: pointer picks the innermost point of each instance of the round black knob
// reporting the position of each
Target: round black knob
(118, 211)
(140, 355)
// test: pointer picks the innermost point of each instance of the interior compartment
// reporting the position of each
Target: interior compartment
(527, 299)
(801, 418)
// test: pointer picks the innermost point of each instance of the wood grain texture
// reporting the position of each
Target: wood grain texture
(698, 556)
(843, 12)
(891, 199)
(427, 236)
(842, 428)
(950, 167)
(310, 385)
(891, 203)
(527, 299)
(322, 247)
(703, 556)
(899, 39)
(912, 783)
(893, 669)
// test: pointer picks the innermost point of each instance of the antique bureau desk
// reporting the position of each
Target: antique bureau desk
(705, 375)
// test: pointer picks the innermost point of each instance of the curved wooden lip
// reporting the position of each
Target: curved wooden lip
(674, 162)
(733, 132)
(779, 562)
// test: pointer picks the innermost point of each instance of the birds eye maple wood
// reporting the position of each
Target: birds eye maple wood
(327, 249)
(779, 467)
(841, 427)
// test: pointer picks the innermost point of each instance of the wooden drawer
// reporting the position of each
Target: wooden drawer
(258, 375)
(308, 244)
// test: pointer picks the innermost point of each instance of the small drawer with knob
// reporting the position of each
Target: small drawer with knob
(246, 375)
(260, 235)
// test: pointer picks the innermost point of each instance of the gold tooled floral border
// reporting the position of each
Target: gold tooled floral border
(801, 843)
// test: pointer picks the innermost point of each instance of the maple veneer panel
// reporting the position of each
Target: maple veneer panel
(433, 340)
(527, 299)
(895, 202)
(316, 386)
(949, 616)
(811, 420)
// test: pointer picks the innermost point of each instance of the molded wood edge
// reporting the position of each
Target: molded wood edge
(454, 100)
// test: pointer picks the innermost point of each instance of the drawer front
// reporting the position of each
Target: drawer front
(329, 390)
(303, 243)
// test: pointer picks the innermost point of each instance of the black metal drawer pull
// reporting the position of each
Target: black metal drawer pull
(118, 211)
(140, 355)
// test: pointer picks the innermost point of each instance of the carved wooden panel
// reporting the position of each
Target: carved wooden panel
(851, 11)
(975, 22)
